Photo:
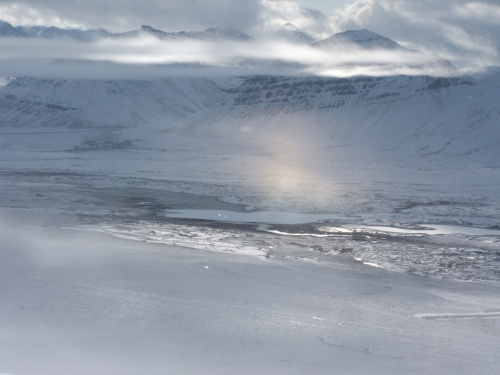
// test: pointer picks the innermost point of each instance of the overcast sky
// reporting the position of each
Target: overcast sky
(168, 14)
(466, 32)
(326, 6)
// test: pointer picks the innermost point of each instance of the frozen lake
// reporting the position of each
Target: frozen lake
(433, 229)
(264, 217)
(278, 217)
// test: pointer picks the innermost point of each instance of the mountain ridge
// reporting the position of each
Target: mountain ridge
(92, 35)
(291, 33)
(363, 38)
(287, 31)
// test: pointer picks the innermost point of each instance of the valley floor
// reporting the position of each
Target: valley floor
(96, 278)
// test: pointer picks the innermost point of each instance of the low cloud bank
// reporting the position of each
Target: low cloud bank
(150, 57)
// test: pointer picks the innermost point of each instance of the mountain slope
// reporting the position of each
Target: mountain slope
(7, 30)
(98, 103)
(52, 32)
(397, 116)
(293, 34)
(391, 117)
(384, 117)
(362, 38)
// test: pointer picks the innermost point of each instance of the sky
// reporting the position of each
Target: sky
(325, 6)
(465, 32)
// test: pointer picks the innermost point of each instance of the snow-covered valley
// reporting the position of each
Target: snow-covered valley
(373, 151)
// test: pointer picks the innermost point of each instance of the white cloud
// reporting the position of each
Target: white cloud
(150, 57)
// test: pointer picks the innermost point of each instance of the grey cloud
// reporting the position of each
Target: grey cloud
(275, 13)
(317, 22)
(119, 15)
(465, 32)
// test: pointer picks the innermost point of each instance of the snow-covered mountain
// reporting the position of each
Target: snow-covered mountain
(52, 32)
(209, 34)
(393, 116)
(7, 30)
(361, 38)
(368, 40)
(98, 103)
(293, 34)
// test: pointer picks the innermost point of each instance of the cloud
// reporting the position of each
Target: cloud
(254, 16)
(150, 57)
(481, 11)
(275, 13)
(465, 32)
(120, 15)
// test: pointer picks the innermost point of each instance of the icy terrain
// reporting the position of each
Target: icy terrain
(395, 151)
(250, 224)
(80, 303)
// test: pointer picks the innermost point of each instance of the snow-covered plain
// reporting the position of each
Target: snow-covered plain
(111, 262)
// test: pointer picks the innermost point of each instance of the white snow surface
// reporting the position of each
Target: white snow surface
(99, 103)
(437, 229)
(85, 303)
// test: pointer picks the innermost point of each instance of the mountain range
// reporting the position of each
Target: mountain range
(392, 117)
(52, 32)
(417, 116)
(288, 32)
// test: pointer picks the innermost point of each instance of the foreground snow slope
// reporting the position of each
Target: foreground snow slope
(90, 304)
